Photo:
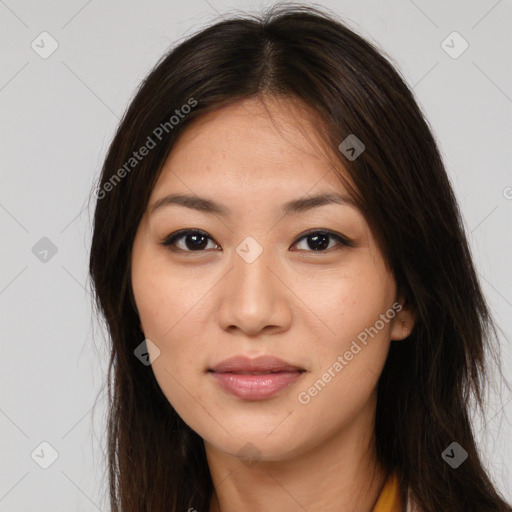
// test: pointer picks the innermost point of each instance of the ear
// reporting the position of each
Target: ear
(404, 321)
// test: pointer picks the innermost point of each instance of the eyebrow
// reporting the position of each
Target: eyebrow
(205, 205)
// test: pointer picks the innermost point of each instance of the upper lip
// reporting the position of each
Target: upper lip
(262, 364)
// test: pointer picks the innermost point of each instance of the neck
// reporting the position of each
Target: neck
(341, 474)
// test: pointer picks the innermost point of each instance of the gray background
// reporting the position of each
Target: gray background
(58, 115)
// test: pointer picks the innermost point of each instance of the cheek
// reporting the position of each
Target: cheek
(163, 297)
(170, 319)
(353, 302)
(176, 360)
(349, 360)
(170, 309)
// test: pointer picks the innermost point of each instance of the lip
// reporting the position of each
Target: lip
(262, 364)
(255, 379)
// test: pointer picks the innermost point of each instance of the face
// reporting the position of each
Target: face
(306, 284)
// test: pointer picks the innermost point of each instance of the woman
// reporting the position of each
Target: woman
(295, 318)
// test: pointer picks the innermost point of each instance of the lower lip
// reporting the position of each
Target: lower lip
(255, 387)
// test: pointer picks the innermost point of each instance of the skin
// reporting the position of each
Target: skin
(301, 305)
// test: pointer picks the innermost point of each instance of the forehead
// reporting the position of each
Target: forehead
(272, 146)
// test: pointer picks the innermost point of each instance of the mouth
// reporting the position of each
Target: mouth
(255, 379)
(258, 373)
(258, 365)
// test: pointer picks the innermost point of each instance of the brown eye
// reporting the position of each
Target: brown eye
(194, 240)
(319, 241)
(191, 240)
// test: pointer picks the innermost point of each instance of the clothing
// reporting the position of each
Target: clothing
(389, 498)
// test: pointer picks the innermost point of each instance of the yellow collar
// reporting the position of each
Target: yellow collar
(389, 499)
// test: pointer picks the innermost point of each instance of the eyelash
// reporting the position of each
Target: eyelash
(170, 240)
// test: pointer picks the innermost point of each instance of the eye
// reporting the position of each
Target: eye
(318, 240)
(195, 240)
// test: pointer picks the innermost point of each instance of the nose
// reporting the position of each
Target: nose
(254, 298)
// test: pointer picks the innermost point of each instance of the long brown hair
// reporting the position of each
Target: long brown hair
(155, 461)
